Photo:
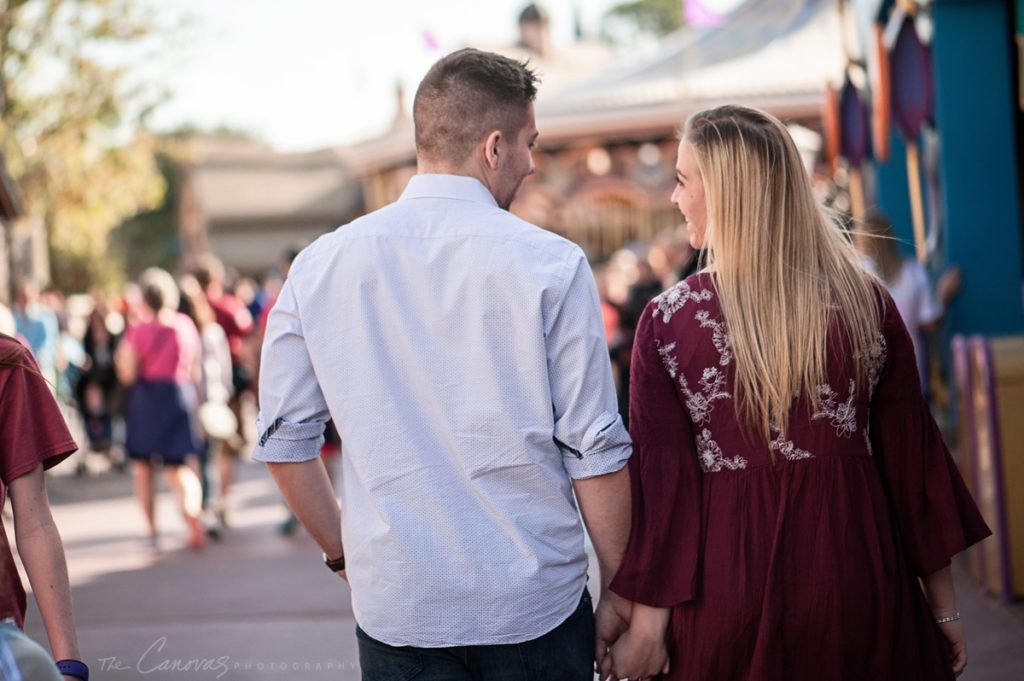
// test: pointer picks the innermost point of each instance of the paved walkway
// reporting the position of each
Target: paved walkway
(255, 606)
(259, 606)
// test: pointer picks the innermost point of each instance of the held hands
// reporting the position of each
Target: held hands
(631, 640)
(638, 655)
(638, 652)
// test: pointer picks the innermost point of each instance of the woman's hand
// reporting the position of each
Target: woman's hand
(941, 593)
(954, 633)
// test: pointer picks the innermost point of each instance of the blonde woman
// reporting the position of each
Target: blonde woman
(789, 485)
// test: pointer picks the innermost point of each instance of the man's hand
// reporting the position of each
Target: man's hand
(611, 620)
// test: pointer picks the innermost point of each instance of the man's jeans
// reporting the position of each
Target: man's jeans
(21, 658)
(563, 654)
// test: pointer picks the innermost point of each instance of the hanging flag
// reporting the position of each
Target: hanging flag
(699, 15)
(430, 41)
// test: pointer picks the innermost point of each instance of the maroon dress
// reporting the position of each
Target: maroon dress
(798, 559)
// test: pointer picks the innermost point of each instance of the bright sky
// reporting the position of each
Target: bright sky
(305, 74)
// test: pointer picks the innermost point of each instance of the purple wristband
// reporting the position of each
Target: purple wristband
(74, 668)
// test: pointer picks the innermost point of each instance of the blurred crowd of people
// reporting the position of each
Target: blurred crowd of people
(159, 376)
(629, 279)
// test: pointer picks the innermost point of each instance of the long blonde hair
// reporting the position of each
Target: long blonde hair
(783, 270)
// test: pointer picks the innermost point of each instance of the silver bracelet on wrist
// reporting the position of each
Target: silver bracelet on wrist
(951, 618)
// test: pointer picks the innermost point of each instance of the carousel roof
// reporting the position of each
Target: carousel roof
(774, 54)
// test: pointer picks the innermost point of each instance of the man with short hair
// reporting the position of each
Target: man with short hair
(461, 353)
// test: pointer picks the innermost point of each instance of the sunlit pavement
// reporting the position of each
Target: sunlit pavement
(258, 605)
(255, 605)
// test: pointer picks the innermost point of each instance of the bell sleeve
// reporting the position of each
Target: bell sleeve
(659, 567)
(935, 515)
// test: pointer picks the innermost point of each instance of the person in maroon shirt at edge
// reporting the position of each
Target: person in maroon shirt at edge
(234, 317)
(33, 436)
(789, 485)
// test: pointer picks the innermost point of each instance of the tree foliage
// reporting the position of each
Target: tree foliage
(653, 17)
(70, 124)
(150, 238)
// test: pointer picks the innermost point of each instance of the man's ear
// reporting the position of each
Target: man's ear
(493, 149)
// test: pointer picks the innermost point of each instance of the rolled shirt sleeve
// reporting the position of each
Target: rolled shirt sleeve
(588, 429)
(293, 411)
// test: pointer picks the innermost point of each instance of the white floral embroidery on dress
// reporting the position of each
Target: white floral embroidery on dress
(877, 355)
(843, 416)
(875, 361)
(670, 302)
(711, 458)
(786, 447)
(719, 337)
(790, 450)
(667, 358)
(712, 383)
(700, 404)
(713, 380)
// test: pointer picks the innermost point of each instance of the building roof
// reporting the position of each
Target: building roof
(239, 181)
(395, 147)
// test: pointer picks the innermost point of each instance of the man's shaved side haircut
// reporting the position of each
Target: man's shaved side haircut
(466, 95)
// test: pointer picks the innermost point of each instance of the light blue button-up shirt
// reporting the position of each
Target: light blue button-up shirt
(461, 353)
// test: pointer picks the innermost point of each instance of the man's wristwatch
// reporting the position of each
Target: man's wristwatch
(335, 564)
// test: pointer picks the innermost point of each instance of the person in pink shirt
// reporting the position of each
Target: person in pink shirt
(159, 358)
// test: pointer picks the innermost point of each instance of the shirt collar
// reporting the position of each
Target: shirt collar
(439, 186)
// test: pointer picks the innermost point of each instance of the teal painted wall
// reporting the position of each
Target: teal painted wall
(975, 116)
(974, 111)
(893, 193)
